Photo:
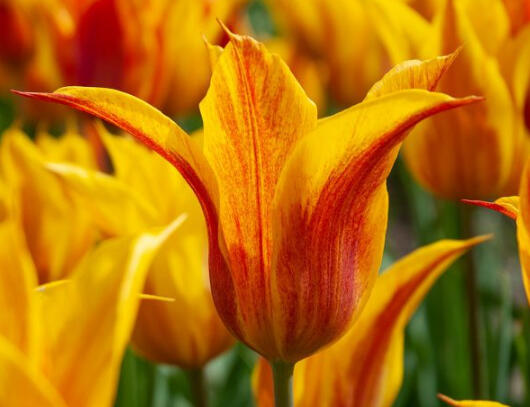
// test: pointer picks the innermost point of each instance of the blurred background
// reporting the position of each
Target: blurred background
(157, 53)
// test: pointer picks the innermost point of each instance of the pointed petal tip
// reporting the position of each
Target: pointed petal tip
(225, 28)
(446, 399)
(493, 206)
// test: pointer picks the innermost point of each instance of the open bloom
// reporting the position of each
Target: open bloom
(365, 367)
(517, 208)
(56, 231)
(146, 191)
(478, 152)
(357, 40)
(61, 345)
(296, 208)
(470, 403)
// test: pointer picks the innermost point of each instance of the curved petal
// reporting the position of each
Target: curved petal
(508, 206)
(325, 208)
(90, 317)
(20, 384)
(470, 403)
(254, 113)
(365, 367)
(18, 279)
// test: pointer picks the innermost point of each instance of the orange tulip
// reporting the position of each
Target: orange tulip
(296, 208)
(365, 367)
(477, 152)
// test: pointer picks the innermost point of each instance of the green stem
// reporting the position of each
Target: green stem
(198, 388)
(472, 296)
(282, 373)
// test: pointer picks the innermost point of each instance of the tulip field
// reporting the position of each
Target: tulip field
(269, 203)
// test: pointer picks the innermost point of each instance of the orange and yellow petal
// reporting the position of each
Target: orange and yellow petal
(469, 403)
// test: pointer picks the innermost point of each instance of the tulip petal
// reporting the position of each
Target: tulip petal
(104, 197)
(18, 321)
(20, 384)
(254, 113)
(324, 207)
(470, 403)
(40, 205)
(89, 318)
(365, 367)
(149, 126)
(508, 206)
(414, 74)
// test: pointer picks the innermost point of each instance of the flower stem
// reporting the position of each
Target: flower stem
(472, 291)
(282, 373)
(198, 388)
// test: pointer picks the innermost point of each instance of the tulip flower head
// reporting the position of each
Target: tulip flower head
(296, 207)
(365, 367)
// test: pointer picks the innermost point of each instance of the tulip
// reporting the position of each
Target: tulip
(470, 403)
(365, 367)
(296, 208)
(61, 345)
(357, 40)
(473, 153)
(57, 233)
(146, 192)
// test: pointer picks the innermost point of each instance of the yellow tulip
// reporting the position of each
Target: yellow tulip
(296, 208)
(365, 367)
(56, 232)
(146, 191)
(476, 152)
(470, 403)
(357, 40)
(61, 345)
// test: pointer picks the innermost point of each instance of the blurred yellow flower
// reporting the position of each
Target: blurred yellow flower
(55, 229)
(365, 367)
(470, 403)
(357, 40)
(145, 191)
(61, 345)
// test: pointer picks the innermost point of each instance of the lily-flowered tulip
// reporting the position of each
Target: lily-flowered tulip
(61, 345)
(477, 152)
(296, 207)
(145, 192)
(517, 208)
(357, 40)
(470, 403)
(57, 233)
(365, 367)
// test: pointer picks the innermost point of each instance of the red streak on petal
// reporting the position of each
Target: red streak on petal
(492, 206)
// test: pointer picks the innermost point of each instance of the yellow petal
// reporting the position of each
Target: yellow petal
(116, 209)
(56, 231)
(18, 321)
(365, 367)
(20, 384)
(254, 113)
(329, 198)
(470, 403)
(467, 153)
(89, 319)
